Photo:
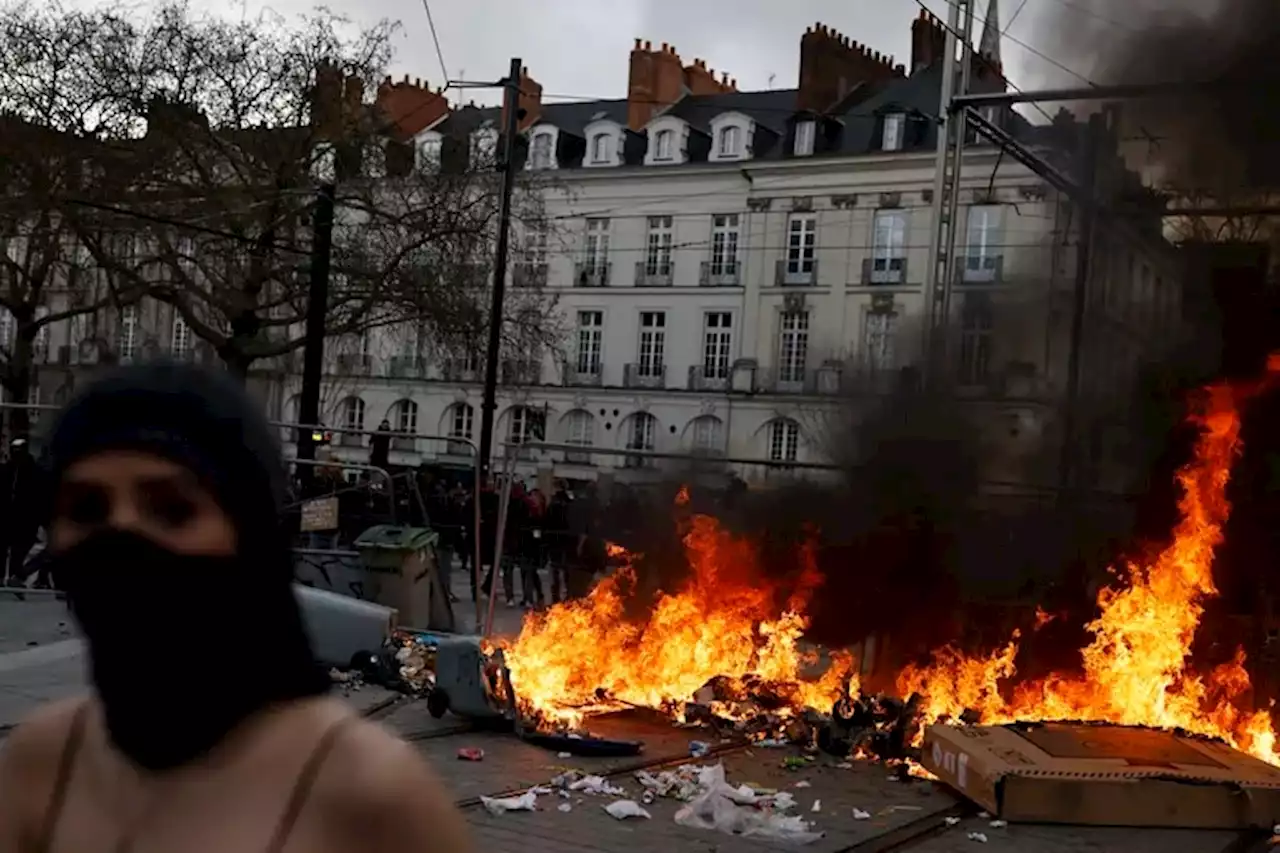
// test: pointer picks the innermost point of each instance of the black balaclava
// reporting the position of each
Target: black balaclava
(184, 648)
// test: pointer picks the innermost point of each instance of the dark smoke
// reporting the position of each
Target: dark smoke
(1220, 142)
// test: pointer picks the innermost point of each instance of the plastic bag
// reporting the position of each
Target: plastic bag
(623, 809)
(741, 811)
(525, 802)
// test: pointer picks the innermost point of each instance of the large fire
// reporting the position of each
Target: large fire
(727, 621)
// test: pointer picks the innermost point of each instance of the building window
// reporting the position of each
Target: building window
(982, 257)
(664, 143)
(461, 423)
(590, 343)
(405, 417)
(805, 131)
(717, 341)
(879, 330)
(802, 239)
(526, 424)
(128, 341)
(179, 337)
(975, 340)
(597, 247)
(580, 428)
(894, 124)
(708, 434)
(602, 148)
(427, 154)
(541, 153)
(793, 346)
(724, 245)
(484, 147)
(730, 142)
(658, 243)
(888, 246)
(784, 440)
(7, 328)
(644, 430)
(352, 422)
(653, 334)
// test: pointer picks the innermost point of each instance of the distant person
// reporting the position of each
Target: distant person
(380, 446)
(21, 505)
(208, 725)
(560, 548)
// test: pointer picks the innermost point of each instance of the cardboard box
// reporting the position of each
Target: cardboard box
(1104, 775)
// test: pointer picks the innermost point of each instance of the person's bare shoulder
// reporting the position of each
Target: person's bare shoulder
(29, 759)
(381, 791)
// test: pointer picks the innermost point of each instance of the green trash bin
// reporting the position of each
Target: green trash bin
(400, 570)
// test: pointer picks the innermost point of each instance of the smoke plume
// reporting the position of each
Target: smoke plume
(1222, 142)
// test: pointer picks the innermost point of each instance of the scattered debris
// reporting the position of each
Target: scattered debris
(525, 802)
(878, 726)
(999, 824)
(565, 807)
(980, 837)
(698, 748)
(470, 753)
(817, 806)
(803, 783)
(859, 814)
(623, 809)
(951, 821)
(741, 811)
(596, 786)
(564, 755)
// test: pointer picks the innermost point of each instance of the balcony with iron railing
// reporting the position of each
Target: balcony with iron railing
(459, 370)
(796, 273)
(785, 380)
(708, 377)
(644, 375)
(349, 439)
(405, 444)
(720, 274)
(884, 271)
(457, 446)
(578, 457)
(521, 371)
(588, 375)
(654, 273)
(407, 367)
(527, 274)
(635, 462)
(591, 273)
(979, 269)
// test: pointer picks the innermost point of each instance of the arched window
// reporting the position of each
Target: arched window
(459, 424)
(602, 148)
(526, 424)
(784, 440)
(706, 435)
(540, 155)
(404, 418)
(730, 140)
(579, 430)
(352, 412)
(664, 143)
(643, 432)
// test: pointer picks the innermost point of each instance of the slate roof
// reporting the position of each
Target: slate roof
(855, 126)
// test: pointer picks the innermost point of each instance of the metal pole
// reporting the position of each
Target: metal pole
(959, 128)
(511, 103)
(317, 309)
(941, 178)
(1067, 480)
(504, 500)
(476, 572)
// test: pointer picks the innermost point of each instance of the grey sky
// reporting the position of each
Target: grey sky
(580, 47)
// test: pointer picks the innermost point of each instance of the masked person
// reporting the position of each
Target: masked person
(207, 727)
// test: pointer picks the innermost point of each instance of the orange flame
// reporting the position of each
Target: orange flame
(725, 621)
(1136, 670)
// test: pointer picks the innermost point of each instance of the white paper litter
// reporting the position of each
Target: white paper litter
(564, 755)
(817, 806)
(859, 814)
(565, 807)
(951, 821)
(596, 786)
(984, 816)
(742, 811)
(845, 765)
(978, 837)
(999, 824)
(803, 784)
(623, 809)
(525, 802)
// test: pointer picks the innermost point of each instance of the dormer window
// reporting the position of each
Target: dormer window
(542, 151)
(484, 146)
(602, 148)
(894, 125)
(427, 154)
(805, 131)
(664, 143)
(730, 143)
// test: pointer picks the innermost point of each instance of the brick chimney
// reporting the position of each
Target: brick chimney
(928, 41)
(656, 81)
(831, 65)
(701, 80)
(530, 100)
(409, 107)
(336, 101)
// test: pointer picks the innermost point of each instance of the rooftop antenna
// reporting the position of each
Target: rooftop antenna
(771, 78)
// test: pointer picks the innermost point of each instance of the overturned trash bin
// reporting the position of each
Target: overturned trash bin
(401, 573)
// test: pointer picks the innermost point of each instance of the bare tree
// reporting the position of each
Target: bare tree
(237, 126)
(57, 120)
